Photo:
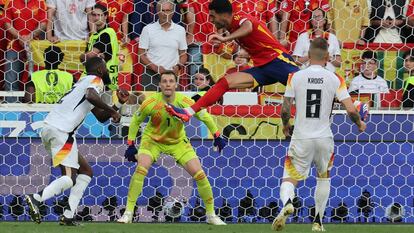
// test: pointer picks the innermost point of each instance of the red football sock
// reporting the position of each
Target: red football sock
(212, 96)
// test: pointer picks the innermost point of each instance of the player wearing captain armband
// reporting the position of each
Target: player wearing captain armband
(313, 90)
(58, 137)
(165, 134)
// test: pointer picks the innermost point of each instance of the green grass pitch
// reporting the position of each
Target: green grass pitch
(52, 227)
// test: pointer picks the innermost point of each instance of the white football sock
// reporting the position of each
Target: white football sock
(56, 187)
(76, 193)
(287, 191)
(323, 187)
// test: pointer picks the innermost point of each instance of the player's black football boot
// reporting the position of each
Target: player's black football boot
(33, 208)
(63, 221)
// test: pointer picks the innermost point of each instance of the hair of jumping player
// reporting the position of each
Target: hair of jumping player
(220, 6)
(169, 72)
(318, 48)
(53, 56)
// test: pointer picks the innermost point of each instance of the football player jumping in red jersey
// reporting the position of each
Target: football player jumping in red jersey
(270, 59)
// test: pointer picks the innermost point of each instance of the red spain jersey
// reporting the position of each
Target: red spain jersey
(263, 10)
(117, 9)
(260, 43)
(300, 13)
(25, 18)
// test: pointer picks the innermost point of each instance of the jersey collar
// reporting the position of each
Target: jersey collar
(368, 78)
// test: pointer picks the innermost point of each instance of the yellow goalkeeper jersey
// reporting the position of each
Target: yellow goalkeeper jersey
(161, 127)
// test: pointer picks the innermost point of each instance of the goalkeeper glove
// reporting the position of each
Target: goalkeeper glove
(131, 152)
(219, 142)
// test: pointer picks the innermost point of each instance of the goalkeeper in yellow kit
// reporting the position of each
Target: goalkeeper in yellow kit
(164, 134)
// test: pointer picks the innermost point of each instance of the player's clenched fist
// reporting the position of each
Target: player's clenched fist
(116, 116)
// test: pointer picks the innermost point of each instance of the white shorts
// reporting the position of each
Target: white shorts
(61, 146)
(303, 152)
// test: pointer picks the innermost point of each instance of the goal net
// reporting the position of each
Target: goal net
(372, 171)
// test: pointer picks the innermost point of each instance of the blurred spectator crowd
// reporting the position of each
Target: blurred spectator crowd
(159, 35)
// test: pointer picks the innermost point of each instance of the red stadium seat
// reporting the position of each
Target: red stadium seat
(392, 99)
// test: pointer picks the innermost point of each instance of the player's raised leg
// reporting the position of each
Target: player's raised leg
(135, 186)
(231, 81)
(193, 167)
(83, 179)
(271, 62)
(62, 147)
(55, 188)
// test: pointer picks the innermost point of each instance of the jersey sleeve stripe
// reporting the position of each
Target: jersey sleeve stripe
(188, 101)
(96, 81)
(146, 103)
(262, 30)
(342, 83)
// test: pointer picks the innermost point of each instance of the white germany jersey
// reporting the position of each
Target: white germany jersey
(72, 109)
(314, 90)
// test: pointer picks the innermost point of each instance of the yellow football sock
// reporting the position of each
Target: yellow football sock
(205, 191)
(135, 187)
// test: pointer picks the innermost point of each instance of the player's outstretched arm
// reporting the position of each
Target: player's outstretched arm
(138, 117)
(245, 29)
(207, 119)
(103, 115)
(102, 111)
(286, 106)
(353, 114)
(134, 125)
(219, 141)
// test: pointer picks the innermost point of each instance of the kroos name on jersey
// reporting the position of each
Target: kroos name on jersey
(315, 80)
